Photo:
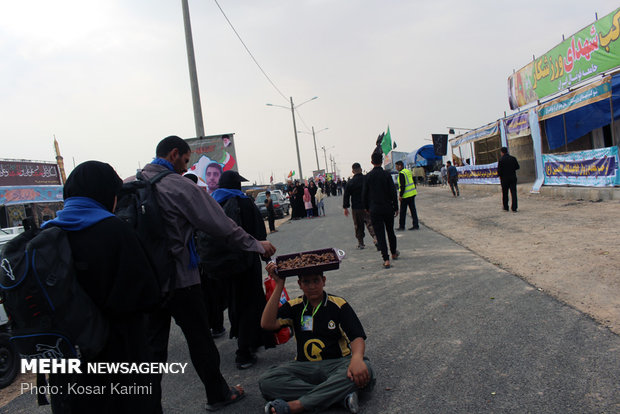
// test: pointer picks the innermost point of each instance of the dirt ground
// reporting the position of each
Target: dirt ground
(567, 248)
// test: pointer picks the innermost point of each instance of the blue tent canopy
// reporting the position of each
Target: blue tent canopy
(423, 156)
(583, 120)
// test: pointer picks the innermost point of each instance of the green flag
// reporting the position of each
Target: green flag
(386, 144)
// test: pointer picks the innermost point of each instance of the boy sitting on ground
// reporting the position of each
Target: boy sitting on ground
(330, 367)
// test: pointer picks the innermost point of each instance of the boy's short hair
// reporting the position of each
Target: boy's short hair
(399, 163)
(302, 275)
(267, 192)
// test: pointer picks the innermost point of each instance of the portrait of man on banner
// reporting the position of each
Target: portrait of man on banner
(210, 157)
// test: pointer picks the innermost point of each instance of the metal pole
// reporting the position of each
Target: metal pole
(325, 155)
(316, 154)
(193, 78)
(301, 175)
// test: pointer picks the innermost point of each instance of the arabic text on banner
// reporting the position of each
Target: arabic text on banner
(14, 173)
(478, 174)
(589, 52)
(594, 168)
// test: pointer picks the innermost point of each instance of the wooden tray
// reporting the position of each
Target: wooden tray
(333, 265)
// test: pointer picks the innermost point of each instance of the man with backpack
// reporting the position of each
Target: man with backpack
(184, 208)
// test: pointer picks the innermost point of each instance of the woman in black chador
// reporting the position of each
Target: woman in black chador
(114, 271)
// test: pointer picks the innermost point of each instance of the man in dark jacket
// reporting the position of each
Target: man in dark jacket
(379, 198)
(507, 167)
(184, 209)
(353, 191)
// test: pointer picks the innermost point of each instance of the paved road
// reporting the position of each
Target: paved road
(447, 332)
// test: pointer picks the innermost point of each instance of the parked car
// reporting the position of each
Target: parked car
(279, 205)
(286, 203)
(8, 233)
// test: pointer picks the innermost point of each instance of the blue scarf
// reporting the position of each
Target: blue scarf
(79, 213)
(165, 163)
(222, 194)
(191, 246)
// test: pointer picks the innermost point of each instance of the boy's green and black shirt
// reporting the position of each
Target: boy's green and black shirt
(328, 329)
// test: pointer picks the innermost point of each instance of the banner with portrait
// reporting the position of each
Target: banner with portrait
(211, 156)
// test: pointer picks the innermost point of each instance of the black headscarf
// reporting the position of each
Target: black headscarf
(96, 180)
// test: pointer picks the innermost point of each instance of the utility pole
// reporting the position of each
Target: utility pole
(301, 176)
(316, 154)
(193, 77)
(325, 155)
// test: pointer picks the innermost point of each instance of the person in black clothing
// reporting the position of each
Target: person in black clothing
(114, 271)
(507, 167)
(379, 198)
(271, 213)
(353, 191)
(245, 275)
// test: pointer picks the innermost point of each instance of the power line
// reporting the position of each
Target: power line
(250, 53)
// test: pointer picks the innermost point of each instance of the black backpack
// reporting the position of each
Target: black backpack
(137, 205)
(217, 258)
(51, 315)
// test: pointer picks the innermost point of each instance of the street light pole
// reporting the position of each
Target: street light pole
(193, 77)
(293, 107)
(301, 175)
(316, 154)
(325, 155)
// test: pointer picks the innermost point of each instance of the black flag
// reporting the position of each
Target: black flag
(440, 144)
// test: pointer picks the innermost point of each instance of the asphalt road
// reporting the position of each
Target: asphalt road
(447, 332)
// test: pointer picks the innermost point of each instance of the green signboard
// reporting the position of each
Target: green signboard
(589, 52)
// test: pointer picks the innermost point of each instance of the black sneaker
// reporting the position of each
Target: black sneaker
(360, 247)
(400, 229)
(216, 333)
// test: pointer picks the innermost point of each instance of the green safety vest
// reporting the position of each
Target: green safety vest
(410, 190)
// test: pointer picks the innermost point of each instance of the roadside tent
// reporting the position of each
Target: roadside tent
(424, 156)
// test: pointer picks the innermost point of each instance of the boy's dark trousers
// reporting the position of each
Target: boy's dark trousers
(271, 218)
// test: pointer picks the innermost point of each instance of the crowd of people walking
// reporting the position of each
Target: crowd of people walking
(307, 200)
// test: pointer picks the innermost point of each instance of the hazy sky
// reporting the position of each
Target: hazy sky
(109, 78)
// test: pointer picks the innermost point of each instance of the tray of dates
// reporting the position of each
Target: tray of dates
(309, 262)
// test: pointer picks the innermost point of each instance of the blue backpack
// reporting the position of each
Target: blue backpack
(51, 315)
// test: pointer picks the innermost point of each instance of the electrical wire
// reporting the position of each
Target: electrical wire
(250, 53)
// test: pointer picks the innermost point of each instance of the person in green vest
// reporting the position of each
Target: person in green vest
(406, 195)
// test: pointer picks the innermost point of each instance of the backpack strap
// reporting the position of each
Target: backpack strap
(156, 178)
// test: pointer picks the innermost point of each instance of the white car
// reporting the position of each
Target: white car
(9, 233)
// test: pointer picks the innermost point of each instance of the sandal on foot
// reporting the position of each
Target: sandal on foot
(279, 405)
(386, 264)
(236, 394)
